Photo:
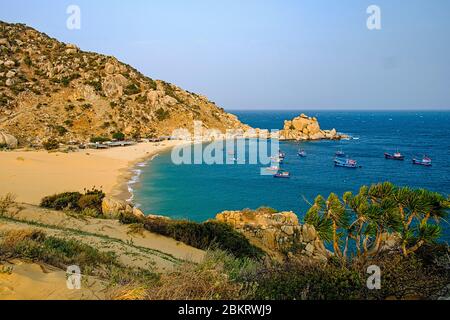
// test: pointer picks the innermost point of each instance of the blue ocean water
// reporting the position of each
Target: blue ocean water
(199, 192)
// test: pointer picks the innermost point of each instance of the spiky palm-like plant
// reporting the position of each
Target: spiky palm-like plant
(376, 211)
(329, 217)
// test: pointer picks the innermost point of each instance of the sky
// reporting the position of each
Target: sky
(273, 54)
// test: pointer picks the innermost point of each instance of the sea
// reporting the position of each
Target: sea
(199, 192)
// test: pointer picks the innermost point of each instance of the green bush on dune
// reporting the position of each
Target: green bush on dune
(205, 236)
(75, 201)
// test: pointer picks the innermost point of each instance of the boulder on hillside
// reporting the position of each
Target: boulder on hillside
(8, 140)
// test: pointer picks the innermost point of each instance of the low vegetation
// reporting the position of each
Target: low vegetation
(119, 136)
(37, 246)
(205, 236)
(89, 203)
(51, 144)
(6, 202)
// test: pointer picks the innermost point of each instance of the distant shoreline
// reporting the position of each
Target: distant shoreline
(121, 190)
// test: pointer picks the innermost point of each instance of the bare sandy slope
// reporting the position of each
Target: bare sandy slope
(143, 250)
(28, 280)
(36, 174)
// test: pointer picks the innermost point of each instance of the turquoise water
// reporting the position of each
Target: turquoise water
(199, 192)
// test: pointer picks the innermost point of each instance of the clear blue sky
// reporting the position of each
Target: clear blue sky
(275, 54)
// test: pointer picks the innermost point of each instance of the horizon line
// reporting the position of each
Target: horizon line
(337, 109)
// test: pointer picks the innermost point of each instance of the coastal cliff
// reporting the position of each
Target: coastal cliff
(307, 128)
(53, 90)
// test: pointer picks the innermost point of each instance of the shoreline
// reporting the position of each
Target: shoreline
(129, 176)
(32, 175)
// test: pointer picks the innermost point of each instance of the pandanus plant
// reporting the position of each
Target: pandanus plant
(418, 210)
(329, 217)
(375, 212)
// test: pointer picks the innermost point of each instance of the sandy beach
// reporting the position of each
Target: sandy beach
(32, 175)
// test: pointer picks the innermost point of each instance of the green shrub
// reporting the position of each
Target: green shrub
(162, 114)
(91, 201)
(75, 201)
(61, 130)
(97, 85)
(67, 200)
(118, 136)
(152, 84)
(126, 218)
(27, 60)
(99, 139)
(307, 281)
(132, 89)
(51, 144)
(141, 99)
(205, 236)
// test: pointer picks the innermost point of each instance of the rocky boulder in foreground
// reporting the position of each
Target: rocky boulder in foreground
(307, 128)
(278, 233)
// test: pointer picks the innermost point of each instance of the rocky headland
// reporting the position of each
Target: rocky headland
(307, 128)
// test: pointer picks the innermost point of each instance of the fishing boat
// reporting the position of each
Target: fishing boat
(340, 154)
(277, 159)
(282, 175)
(425, 161)
(302, 153)
(346, 163)
(395, 156)
(273, 168)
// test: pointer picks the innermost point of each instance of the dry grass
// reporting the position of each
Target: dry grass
(13, 237)
(210, 280)
(136, 229)
(7, 202)
(129, 292)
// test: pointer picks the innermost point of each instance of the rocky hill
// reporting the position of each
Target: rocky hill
(53, 90)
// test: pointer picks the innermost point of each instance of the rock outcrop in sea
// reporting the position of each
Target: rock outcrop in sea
(307, 128)
(278, 233)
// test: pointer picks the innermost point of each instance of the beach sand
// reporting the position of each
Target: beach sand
(32, 175)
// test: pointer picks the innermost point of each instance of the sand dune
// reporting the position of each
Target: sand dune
(30, 281)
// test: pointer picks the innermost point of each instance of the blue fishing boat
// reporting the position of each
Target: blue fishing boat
(302, 153)
(282, 175)
(346, 163)
(425, 161)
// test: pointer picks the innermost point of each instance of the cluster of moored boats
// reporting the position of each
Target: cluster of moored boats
(423, 161)
(341, 160)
